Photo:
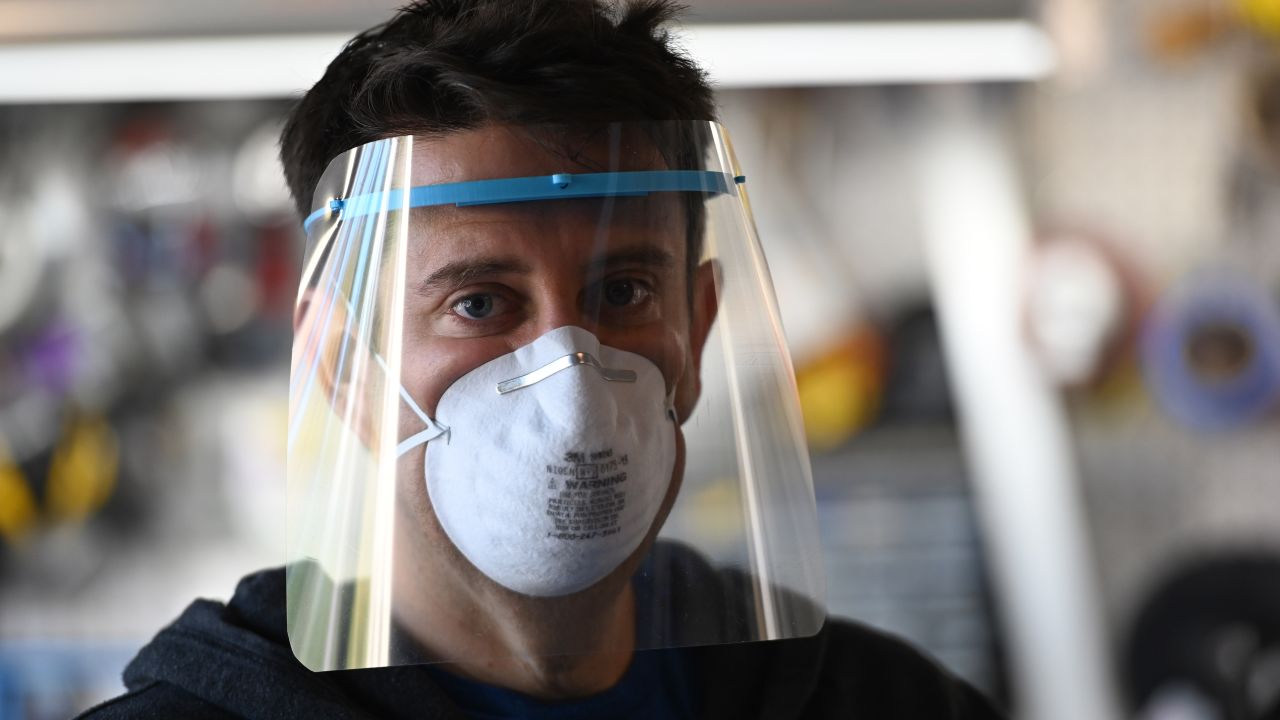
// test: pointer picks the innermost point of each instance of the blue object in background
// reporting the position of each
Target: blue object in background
(1217, 313)
(44, 680)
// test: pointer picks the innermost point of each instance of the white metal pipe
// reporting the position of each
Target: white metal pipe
(1012, 422)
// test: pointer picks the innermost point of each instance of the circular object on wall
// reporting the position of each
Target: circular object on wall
(1076, 308)
(1206, 642)
(1211, 351)
(1083, 302)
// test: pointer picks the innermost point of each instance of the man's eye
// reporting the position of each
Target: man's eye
(621, 293)
(475, 307)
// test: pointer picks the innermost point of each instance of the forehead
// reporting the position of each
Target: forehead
(548, 229)
(498, 151)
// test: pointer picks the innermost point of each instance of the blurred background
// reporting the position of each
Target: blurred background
(1028, 259)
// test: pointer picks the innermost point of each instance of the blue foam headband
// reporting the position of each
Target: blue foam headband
(561, 186)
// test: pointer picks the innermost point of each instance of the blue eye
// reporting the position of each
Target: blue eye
(475, 307)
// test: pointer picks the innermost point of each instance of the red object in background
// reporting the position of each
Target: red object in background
(277, 268)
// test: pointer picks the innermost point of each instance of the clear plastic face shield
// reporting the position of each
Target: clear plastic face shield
(540, 392)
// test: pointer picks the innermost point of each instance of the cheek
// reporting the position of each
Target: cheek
(665, 346)
(418, 523)
(676, 362)
(429, 368)
(687, 396)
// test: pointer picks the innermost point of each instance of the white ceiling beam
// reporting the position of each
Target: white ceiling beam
(736, 56)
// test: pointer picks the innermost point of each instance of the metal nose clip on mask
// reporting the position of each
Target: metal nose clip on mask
(564, 363)
(546, 466)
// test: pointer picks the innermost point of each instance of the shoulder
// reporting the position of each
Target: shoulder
(842, 669)
(155, 700)
(846, 669)
(871, 669)
(231, 660)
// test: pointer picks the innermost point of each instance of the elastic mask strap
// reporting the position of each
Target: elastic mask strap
(433, 429)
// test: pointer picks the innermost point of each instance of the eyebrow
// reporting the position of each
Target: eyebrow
(649, 255)
(464, 272)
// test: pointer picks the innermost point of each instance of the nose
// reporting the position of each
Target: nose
(562, 306)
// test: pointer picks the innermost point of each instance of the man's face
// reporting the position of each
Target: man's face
(482, 281)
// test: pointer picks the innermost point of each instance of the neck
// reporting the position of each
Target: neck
(576, 655)
(549, 648)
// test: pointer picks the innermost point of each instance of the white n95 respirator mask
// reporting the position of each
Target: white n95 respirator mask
(546, 466)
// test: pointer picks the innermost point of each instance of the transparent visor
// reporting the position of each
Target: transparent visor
(541, 404)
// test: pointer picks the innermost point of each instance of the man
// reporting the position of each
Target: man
(523, 234)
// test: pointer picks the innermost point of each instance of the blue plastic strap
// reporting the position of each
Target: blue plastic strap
(561, 186)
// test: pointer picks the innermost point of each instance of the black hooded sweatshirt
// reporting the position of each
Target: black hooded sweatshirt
(234, 660)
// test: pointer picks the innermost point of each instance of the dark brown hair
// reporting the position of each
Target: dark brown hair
(447, 65)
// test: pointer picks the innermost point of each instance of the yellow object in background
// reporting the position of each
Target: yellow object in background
(82, 476)
(841, 390)
(83, 472)
(1262, 15)
(1187, 30)
(717, 508)
(18, 511)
